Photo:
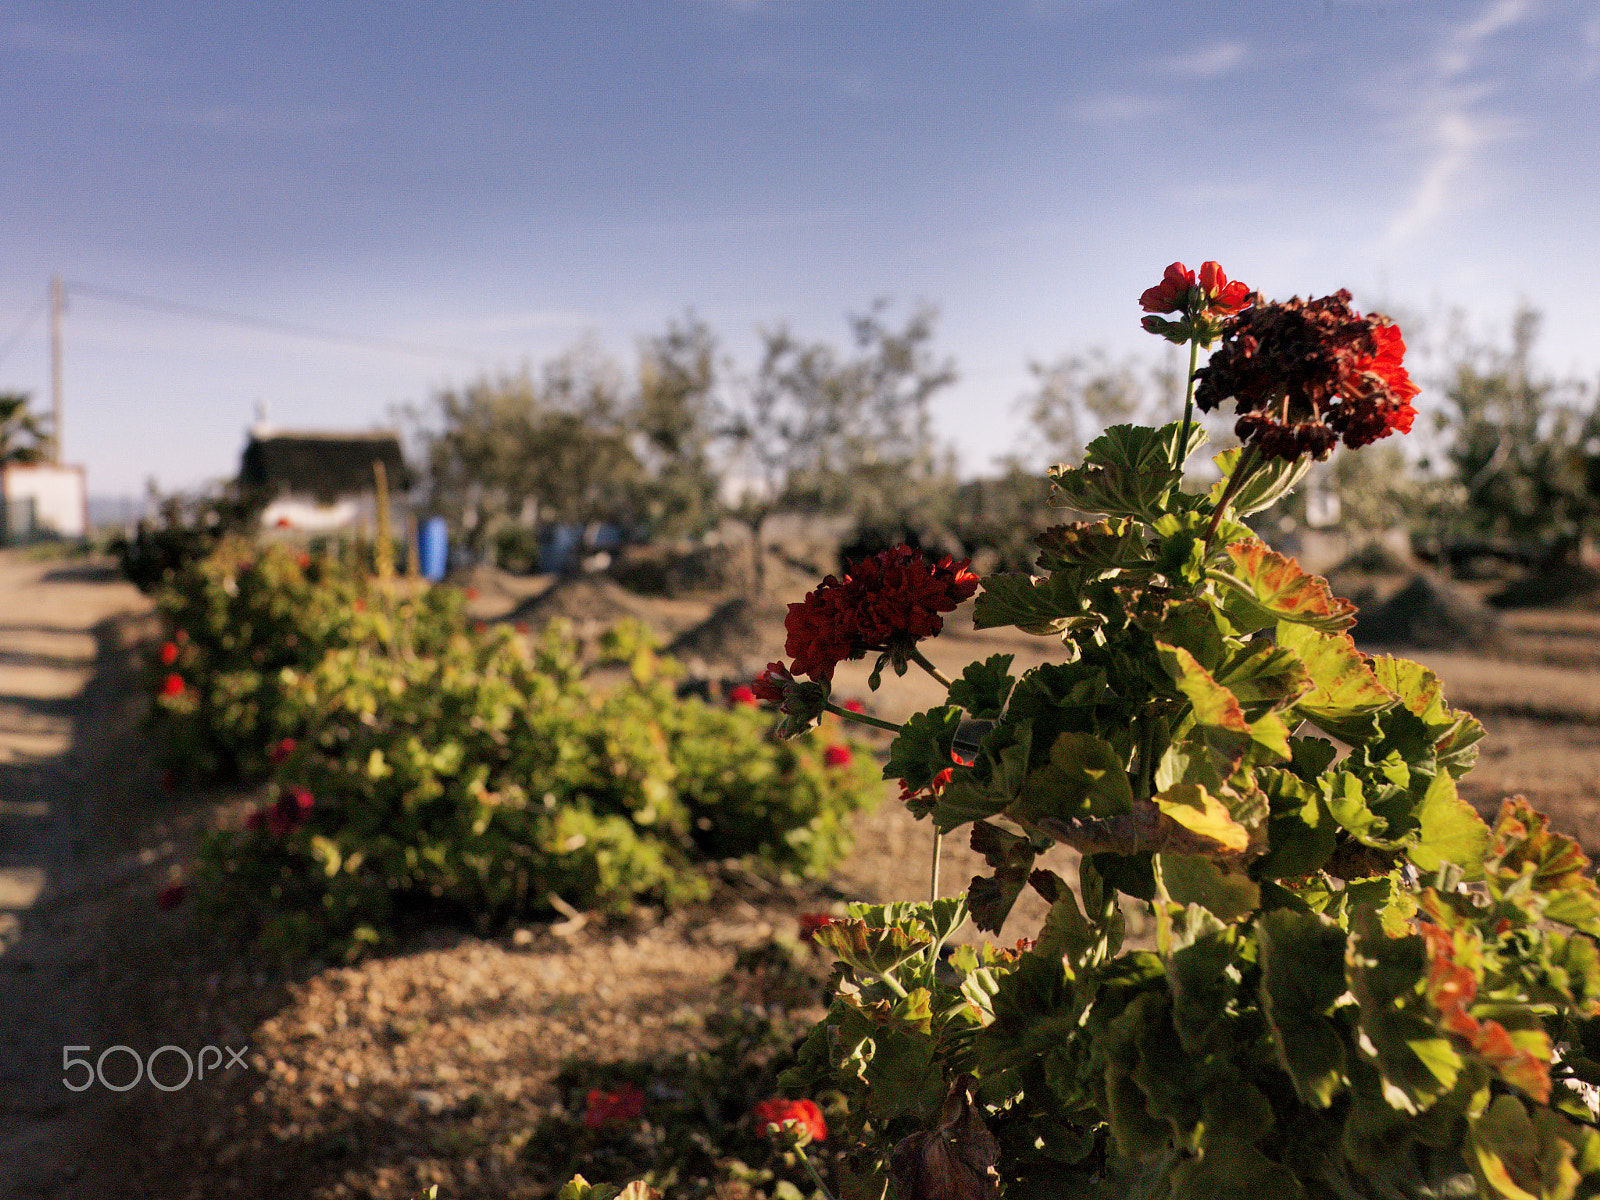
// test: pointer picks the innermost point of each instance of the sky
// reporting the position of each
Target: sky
(459, 190)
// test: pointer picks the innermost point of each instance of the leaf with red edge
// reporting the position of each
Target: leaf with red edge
(1518, 1065)
(1347, 696)
(1279, 590)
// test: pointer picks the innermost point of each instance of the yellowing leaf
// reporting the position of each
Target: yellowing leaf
(1198, 811)
(1275, 585)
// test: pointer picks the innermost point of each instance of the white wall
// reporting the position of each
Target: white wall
(60, 499)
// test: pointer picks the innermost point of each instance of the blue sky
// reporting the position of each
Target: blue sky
(504, 179)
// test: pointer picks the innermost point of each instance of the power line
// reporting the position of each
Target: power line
(266, 324)
(22, 329)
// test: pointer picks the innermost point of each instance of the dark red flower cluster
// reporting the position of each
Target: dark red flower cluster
(771, 1114)
(1304, 373)
(612, 1108)
(283, 815)
(1204, 303)
(890, 601)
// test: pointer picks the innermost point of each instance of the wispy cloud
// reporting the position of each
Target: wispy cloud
(1120, 108)
(1452, 123)
(1206, 62)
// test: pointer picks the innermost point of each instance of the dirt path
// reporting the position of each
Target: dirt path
(65, 729)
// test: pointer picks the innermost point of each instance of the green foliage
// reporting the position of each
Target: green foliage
(1358, 989)
(464, 773)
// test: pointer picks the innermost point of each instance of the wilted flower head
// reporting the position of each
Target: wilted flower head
(888, 602)
(771, 1114)
(1305, 373)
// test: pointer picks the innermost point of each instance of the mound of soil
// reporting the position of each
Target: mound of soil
(736, 634)
(580, 599)
(670, 571)
(1430, 613)
(1563, 585)
(1374, 559)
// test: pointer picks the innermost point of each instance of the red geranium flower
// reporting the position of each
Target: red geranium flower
(855, 706)
(837, 756)
(281, 750)
(742, 693)
(887, 602)
(289, 811)
(171, 896)
(612, 1108)
(811, 922)
(771, 1114)
(1304, 373)
(172, 685)
(1172, 293)
(169, 654)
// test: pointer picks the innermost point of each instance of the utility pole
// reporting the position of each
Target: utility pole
(58, 305)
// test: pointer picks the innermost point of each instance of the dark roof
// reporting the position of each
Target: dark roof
(324, 465)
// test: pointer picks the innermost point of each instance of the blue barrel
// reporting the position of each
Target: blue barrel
(433, 548)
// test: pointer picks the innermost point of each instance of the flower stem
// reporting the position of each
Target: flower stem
(830, 706)
(810, 1166)
(1247, 465)
(921, 660)
(1188, 408)
(933, 882)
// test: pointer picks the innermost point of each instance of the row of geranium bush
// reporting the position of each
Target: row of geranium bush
(419, 764)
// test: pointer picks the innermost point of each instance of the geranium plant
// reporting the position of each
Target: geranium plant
(1357, 989)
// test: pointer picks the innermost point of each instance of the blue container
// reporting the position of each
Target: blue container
(433, 548)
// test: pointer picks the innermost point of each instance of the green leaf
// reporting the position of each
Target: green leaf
(1347, 696)
(1264, 675)
(870, 949)
(1269, 483)
(1216, 711)
(1095, 544)
(1066, 933)
(1142, 448)
(992, 783)
(1302, 976)
(983, 687)
(1278, 590)
(1047, 605)
(1011, 857)
(1451, 831)
(1300, 831)
(923, 746)
(1085, 777)
(1222, 889)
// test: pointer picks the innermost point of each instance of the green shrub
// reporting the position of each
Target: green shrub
(459, 772)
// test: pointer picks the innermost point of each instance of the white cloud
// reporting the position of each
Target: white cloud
(1206, 62)
(1120, 108)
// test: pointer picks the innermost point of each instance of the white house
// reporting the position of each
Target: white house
(319, 481)
(42, 499)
